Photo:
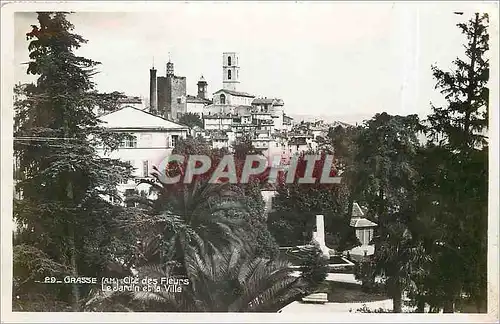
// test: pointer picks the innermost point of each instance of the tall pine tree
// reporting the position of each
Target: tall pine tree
(457, 184)
(65, 224)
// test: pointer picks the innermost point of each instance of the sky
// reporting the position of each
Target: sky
(346, 61)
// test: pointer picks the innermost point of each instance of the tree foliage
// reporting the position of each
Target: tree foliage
(296, 205)
(199, 214)
(191, 120)
(454, 184)
(62, 215)
(386, 174)
(314, 267)
(227, 281)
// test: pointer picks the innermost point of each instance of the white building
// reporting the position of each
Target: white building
(153, 141)
(364, 232)
(219, 121)
(220, 139)
(195, 105)
(234, 98)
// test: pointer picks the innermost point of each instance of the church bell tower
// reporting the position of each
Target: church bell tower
(230, 70)
(202, 88)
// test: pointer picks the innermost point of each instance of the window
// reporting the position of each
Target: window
(222, 99)
(229, 75)
(132, 142)
(175, 139)
(129, 142)
(229, 61)
(145, 170)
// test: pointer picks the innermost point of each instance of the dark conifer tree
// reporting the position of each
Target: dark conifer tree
(66, 226)
(455, 183)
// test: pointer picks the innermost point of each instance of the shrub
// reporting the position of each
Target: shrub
(365, 272)
(314, 267)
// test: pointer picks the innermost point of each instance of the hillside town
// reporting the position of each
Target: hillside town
(226, 115)
(128, 204)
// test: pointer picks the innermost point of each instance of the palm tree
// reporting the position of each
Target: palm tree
(185, 216)
(227, 281)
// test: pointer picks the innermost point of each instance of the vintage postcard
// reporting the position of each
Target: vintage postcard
(288, 161)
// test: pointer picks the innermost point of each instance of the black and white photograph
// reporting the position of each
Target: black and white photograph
(312, 161)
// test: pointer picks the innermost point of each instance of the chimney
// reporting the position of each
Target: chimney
(153, 107)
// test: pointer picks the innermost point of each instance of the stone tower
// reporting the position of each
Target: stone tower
(202, 88)
(171, 92)
(153, 107)
(230, 70)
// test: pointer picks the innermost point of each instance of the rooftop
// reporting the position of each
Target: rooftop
(129, 117)
(195, 99)
(362, 222)
(236, 93)
(220, 116)
(243, 107)
(268, 101)
(357, 211)
(130, 100)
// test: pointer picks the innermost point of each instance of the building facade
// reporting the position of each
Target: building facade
(153, 140)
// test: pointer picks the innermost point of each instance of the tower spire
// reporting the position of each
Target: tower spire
(153, 62)
(168, 57)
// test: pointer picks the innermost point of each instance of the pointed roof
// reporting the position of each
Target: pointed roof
(357, 211)
(202, 80)
(358, 220)
(129, 117)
